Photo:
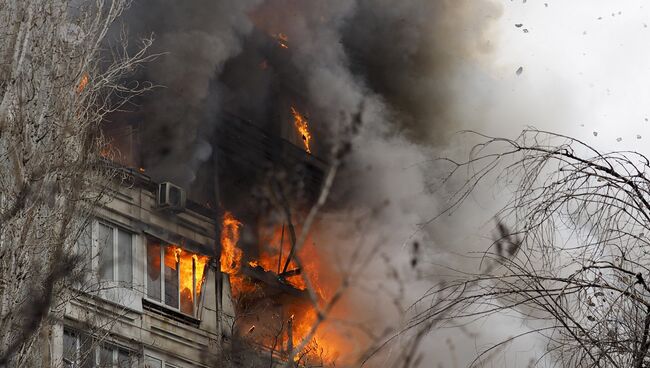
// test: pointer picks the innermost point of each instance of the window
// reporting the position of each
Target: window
(175, 276)
(82, 351)
(113, 249)
(115, 254)
(151, 362)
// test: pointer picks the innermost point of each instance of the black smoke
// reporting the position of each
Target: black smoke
(396, 63)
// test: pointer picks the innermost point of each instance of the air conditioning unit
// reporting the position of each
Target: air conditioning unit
(171, 197)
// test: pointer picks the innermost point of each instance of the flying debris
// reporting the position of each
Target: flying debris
(520, 70)
(283, 40)
(414, 256)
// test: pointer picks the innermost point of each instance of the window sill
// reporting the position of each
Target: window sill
(157, 308)
(114, 293)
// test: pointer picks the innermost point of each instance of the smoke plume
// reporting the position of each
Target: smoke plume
(401, 64)
(196, 38)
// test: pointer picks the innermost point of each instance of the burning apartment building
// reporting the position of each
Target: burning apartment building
(238, 179)
(194, 253)
(197, 271)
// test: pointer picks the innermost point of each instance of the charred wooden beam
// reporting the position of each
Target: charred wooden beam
(291, 273)
(271, 280)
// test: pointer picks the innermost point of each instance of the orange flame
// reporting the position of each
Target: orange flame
(303, 315)
(302, 128)
(230, 254)
(82, 83)
(273, 253)
(272, 241)
(283, 40)
(189, 266)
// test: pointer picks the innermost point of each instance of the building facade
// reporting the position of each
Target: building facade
(152, 294)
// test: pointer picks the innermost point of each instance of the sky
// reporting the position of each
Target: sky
(586, 68)
(585, 73)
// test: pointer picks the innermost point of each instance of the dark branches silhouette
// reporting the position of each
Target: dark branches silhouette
(571, 256)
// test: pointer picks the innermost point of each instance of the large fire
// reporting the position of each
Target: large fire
(302, 128)
(296, 315)
(274, 251)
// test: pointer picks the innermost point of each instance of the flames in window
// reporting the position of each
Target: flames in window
(302, 128)
(191, 268)
(183, 272)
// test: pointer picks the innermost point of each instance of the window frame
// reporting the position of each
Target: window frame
(197, 302)
(94, 255)
(163, 361)
(96, 349)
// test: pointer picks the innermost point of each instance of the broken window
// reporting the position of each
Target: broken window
(175, 276)
(80, 350)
